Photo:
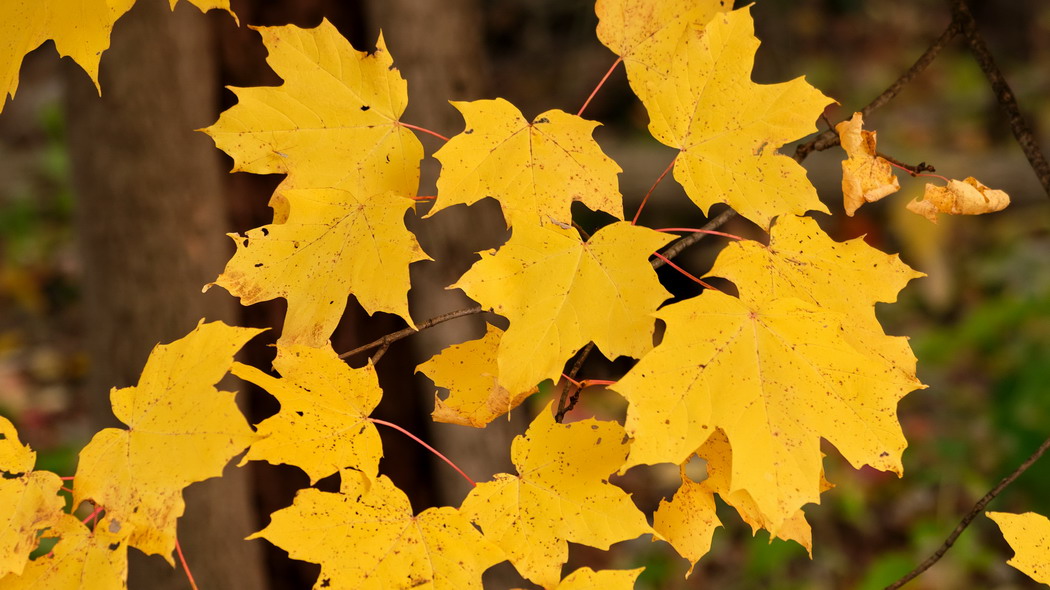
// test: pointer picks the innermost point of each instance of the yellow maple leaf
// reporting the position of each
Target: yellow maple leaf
(960, 197)
(333, 123)
(727, 127)
(561, 493)
(1029, 536)
(83, 559)
(647, 34)
(180, 430)
(560, 293)
(776, 377)
(323, 423)
(804, 262)
(866, 177)
(29, 500)
(470, 373)
(535, 170)
(366, 537)
(587, 579)
(332, 244)
(687, 521)
(79, 28)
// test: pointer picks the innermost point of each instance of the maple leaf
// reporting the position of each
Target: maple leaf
(180, 430)
(366, 537)
(79, 28)
(535, 170)
(83, 559)
(960, 197)
(804, 262)
(727, 127)
(587, 579)
(601, 290)
(471, 374)
(29, 500)
(775, 376)
(866, 177)
(1029, 536)
(687, 521)
(561, 493)
(647, 34)
(333, 123)
(323, 424)
(332, 244)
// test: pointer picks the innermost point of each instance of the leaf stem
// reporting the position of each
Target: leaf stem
(651, 189)
(668, 262)
(567, 401)
(428, 447)
(895, 164)
(972, 514)
(423, 129)
(701, 231)
(94, 514)
(185, 566)
(598, 87)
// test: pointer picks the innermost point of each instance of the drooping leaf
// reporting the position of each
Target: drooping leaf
(335, 122)
(333, 243)
(29, 500)
(79, 28)
(323, 423)
(471, 374)
(560, 293)
(82, 559)
(866, 176)
(960, 197)
(776, 377)
(729, 128)
(1029, 536)
(180, 430)
(647, 34)
(535, 170)
(366, 537)
(561, 493)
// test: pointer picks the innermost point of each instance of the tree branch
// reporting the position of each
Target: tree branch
(564, 408)
(385, 342)
(974, 512)
(829, 138)
(1003, 95)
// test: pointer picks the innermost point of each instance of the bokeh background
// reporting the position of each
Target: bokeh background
(92, 272)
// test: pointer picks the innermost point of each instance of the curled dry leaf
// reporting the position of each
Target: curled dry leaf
(866, 177)
(960, 197)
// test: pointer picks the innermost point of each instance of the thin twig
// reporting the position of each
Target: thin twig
(1003, 95)
(914, 170)
(563, 407)
(974, 512)
(691, 239)
(389, 339)
(829, 138)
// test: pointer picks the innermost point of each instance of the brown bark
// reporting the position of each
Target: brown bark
(151, 219)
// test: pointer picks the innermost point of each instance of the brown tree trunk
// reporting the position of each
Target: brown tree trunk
(151, 219)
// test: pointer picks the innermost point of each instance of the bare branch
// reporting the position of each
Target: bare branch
(574, 397)
(389, 339)
(974, 512)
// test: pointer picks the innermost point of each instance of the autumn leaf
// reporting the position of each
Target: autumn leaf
(471, 374)
(561, 493)
(587, 579)
(83, 559)
(79, 28)
(601, 290)
(180, 430)
(535, 170)
(776, 377)
(687, 521)
(332, 244)
(1029, 536)
(29, 500)
(335, 122)
(323, 424)
(728, 128)
(866, 177)
(960, 197)
(647, 34)
(368, 538)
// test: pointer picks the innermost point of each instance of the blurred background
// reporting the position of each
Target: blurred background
(113, 210)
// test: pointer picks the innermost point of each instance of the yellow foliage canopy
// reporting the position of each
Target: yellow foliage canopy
(560, 293)
(561, 493)
(180, 430)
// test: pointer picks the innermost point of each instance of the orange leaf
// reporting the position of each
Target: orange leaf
(866, 177)
(965, 197)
